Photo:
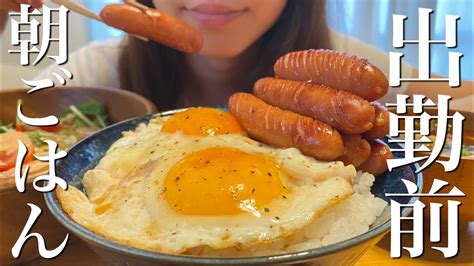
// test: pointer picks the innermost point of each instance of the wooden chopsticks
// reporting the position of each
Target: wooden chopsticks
(91, 14)
(78, 9)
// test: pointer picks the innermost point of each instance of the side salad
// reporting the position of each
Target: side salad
(76, 122)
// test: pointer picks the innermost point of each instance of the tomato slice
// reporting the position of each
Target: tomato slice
(55, 128)
(9, 149)
(20, 127)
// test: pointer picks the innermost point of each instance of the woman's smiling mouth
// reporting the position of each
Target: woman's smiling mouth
(213, 14)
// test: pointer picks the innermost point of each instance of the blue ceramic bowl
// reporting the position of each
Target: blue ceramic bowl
(87, 153)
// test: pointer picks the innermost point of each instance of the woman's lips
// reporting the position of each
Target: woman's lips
(213, 15)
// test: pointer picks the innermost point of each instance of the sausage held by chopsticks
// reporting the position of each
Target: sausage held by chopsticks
(153, 24)
(339, 71)
(285, 129)
(346, 112)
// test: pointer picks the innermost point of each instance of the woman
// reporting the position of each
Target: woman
(242, 40)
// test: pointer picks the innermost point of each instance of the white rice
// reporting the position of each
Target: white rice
(347, 219)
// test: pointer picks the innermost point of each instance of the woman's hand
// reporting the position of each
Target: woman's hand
(14, 5)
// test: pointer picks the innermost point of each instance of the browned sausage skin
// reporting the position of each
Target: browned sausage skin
(153, 24)
(339, 71)
(356, 150)
(377, 162)
(347, 112)
(381, 123)
(285, 129)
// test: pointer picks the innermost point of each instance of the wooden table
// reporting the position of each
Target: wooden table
(77, 253)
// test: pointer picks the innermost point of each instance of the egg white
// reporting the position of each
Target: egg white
(125, 200)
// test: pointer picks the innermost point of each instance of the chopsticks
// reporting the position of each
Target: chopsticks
(91, 14)
(136, 4)
(78, 9)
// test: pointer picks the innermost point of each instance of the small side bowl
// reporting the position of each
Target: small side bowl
(346, 252)
(14, 211)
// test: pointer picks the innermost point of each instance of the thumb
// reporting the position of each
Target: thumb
(36, 3)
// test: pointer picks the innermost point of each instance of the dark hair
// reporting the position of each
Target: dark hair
(157, 72)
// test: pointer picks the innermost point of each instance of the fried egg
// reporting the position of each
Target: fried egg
(196, 180)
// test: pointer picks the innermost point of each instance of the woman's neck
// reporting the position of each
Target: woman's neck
(210, 81)
(212, 71)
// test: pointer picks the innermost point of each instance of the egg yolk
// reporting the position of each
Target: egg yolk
(222, 181)
(202, 122)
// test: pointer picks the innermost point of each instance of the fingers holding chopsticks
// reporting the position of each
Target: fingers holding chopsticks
(14, 5)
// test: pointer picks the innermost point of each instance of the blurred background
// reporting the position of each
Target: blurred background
(367, 20)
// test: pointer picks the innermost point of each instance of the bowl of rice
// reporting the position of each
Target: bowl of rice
(339, 235)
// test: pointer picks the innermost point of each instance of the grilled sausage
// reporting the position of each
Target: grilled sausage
(381, 123)
(345, 111)
(153, 24)
(356, 150)
(377, 162)
(339, 71)
(285, 129)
